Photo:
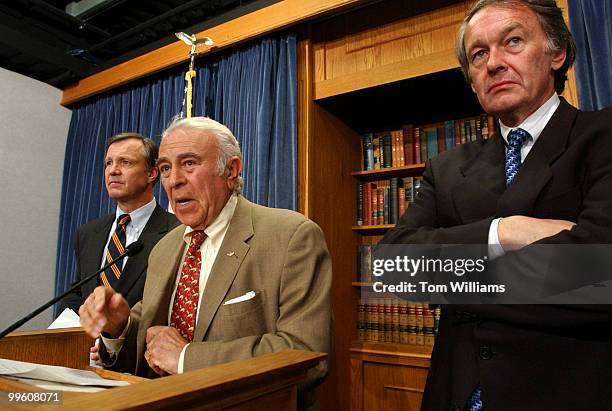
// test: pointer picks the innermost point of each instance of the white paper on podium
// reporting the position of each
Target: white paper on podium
(67, 319)
(54, 373)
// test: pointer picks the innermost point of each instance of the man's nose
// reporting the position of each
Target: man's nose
(114, 169)
(496, 61)
(176, 177)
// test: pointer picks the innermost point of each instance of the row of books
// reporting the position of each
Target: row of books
(393, 320)
(384, 201)
(414, 145)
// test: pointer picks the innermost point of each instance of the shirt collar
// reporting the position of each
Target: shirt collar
(216, 231)
(140, 216)
(535, 123)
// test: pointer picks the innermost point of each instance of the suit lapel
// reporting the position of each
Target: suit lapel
(159, 288)
(483, 182)
(231, 254)
(535, 172)
(92, 261)
(135, 267)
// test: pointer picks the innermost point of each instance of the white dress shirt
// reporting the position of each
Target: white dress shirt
(215, 234)
(138, 221)
(534, 124)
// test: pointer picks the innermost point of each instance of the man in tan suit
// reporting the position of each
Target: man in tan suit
(263, 275)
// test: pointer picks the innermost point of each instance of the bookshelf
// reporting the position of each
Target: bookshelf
(383, 173)
(373, 68)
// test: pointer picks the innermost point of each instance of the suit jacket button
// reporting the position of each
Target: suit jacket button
(484, 352)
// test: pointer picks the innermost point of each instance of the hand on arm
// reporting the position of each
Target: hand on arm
(164, 347)
(517, 231)
(104, 311)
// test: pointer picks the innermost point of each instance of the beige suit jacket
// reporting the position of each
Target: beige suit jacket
(280, 255)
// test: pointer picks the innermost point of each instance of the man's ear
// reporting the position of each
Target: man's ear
(558, 59)
(234, 168)
(152, 174)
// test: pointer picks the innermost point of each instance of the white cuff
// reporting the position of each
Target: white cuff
(113, 345)
(495, 248)
(179, 368)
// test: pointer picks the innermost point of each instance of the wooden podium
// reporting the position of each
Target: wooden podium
(265, 382)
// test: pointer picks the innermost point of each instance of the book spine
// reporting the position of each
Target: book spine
(387, 153)
(408, 136)
(457, 126)
(361, 322)
(412, 328)
(368, 152)
(423, 145)
(403, 321)
(360, 262)
(374, 204)
(401, 202)
(432, 142)
(441, 139)
(473, 131)
(376, 150)
(367, 262)
(417, 146)
(409, 190)
(386, 208)
(359, 203)
(380, 205)
(449, 133)
(388, 321)
(400, 145)
(393, 209)
(367, 204)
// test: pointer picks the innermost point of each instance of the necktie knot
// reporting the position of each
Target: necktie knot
(123, 220)
(517, 137)
(197, 238)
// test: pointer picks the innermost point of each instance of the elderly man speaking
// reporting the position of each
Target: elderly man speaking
(236, 280)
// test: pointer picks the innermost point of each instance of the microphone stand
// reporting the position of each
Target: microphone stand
(130, 250)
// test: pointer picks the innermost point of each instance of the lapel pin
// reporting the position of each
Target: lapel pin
(231, 254)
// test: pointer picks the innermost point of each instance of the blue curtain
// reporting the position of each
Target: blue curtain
(252, 90)
(591, 25)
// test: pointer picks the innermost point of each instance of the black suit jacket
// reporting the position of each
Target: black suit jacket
(523, 357)
(89, 242)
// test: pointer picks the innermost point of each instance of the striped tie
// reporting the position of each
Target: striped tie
(116, 246)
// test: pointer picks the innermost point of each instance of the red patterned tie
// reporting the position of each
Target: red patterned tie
(185, 305)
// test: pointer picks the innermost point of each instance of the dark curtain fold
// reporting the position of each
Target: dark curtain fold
(252, 90)
(591, 25)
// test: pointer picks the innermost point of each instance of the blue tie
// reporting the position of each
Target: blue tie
(516, 139)
(475, 403)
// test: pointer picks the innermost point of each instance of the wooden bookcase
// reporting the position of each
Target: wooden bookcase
(375, 67)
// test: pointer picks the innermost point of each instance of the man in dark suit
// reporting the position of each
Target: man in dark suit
(546, 179)
(130, 173)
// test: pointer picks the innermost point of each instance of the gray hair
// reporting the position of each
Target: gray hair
(149, 147)
(551, 19)
(227, 144)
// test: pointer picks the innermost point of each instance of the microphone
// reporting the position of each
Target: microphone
(130, 251)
